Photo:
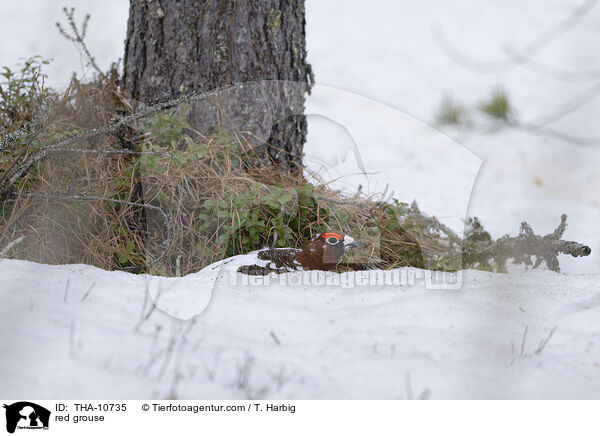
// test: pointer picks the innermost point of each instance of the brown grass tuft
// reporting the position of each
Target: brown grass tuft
(160, 197)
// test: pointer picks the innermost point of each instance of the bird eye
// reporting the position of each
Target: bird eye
(332, 241)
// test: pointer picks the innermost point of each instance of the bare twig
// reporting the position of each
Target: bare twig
(545, 341)
(87, 293)
(545, 131)
(275, 338)
(524, 338)
(78, 36)
(67, 288)
(113, 126)
(32, 126)
(9, 246)
(124, 152)
(572, 105)
(524, 55)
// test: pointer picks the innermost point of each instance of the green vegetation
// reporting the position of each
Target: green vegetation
(498, 106)
(451, 113)
(155, 195)
(21, 91)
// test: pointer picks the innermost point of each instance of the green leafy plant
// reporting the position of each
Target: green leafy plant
(168, 128)
(498, 107)
(162, 198)
(251, 219)
(21, 91)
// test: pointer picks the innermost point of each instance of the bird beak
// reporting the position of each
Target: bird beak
(349, 243)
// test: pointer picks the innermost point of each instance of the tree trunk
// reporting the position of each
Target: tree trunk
(177, 47)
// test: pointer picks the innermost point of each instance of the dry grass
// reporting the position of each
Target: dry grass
(163, 198)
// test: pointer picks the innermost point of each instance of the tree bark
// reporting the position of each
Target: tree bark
(177, 47)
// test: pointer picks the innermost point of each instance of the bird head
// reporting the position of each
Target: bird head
(324, 251)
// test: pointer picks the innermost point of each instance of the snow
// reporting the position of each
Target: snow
(299, 341)
(75, 331)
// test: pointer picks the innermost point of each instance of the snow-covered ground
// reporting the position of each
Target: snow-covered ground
(79, 332)
(381, 73)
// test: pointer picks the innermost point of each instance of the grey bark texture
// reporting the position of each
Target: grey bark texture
(177, 47)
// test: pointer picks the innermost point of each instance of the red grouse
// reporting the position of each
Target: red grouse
(323, 252)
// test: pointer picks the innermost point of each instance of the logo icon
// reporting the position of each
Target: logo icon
(26, 415)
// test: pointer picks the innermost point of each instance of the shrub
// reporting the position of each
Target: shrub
(21, 92)
(157, 196)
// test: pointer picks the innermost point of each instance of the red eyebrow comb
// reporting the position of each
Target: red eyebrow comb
(332, 235)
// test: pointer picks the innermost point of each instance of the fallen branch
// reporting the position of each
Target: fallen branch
(480, 249)
(6, 249)
(112, 127)
(40, 117)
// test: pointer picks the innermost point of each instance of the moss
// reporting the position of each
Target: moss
(221, 52)
(274, 19)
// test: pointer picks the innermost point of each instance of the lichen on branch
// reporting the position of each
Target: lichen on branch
(482, 252)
